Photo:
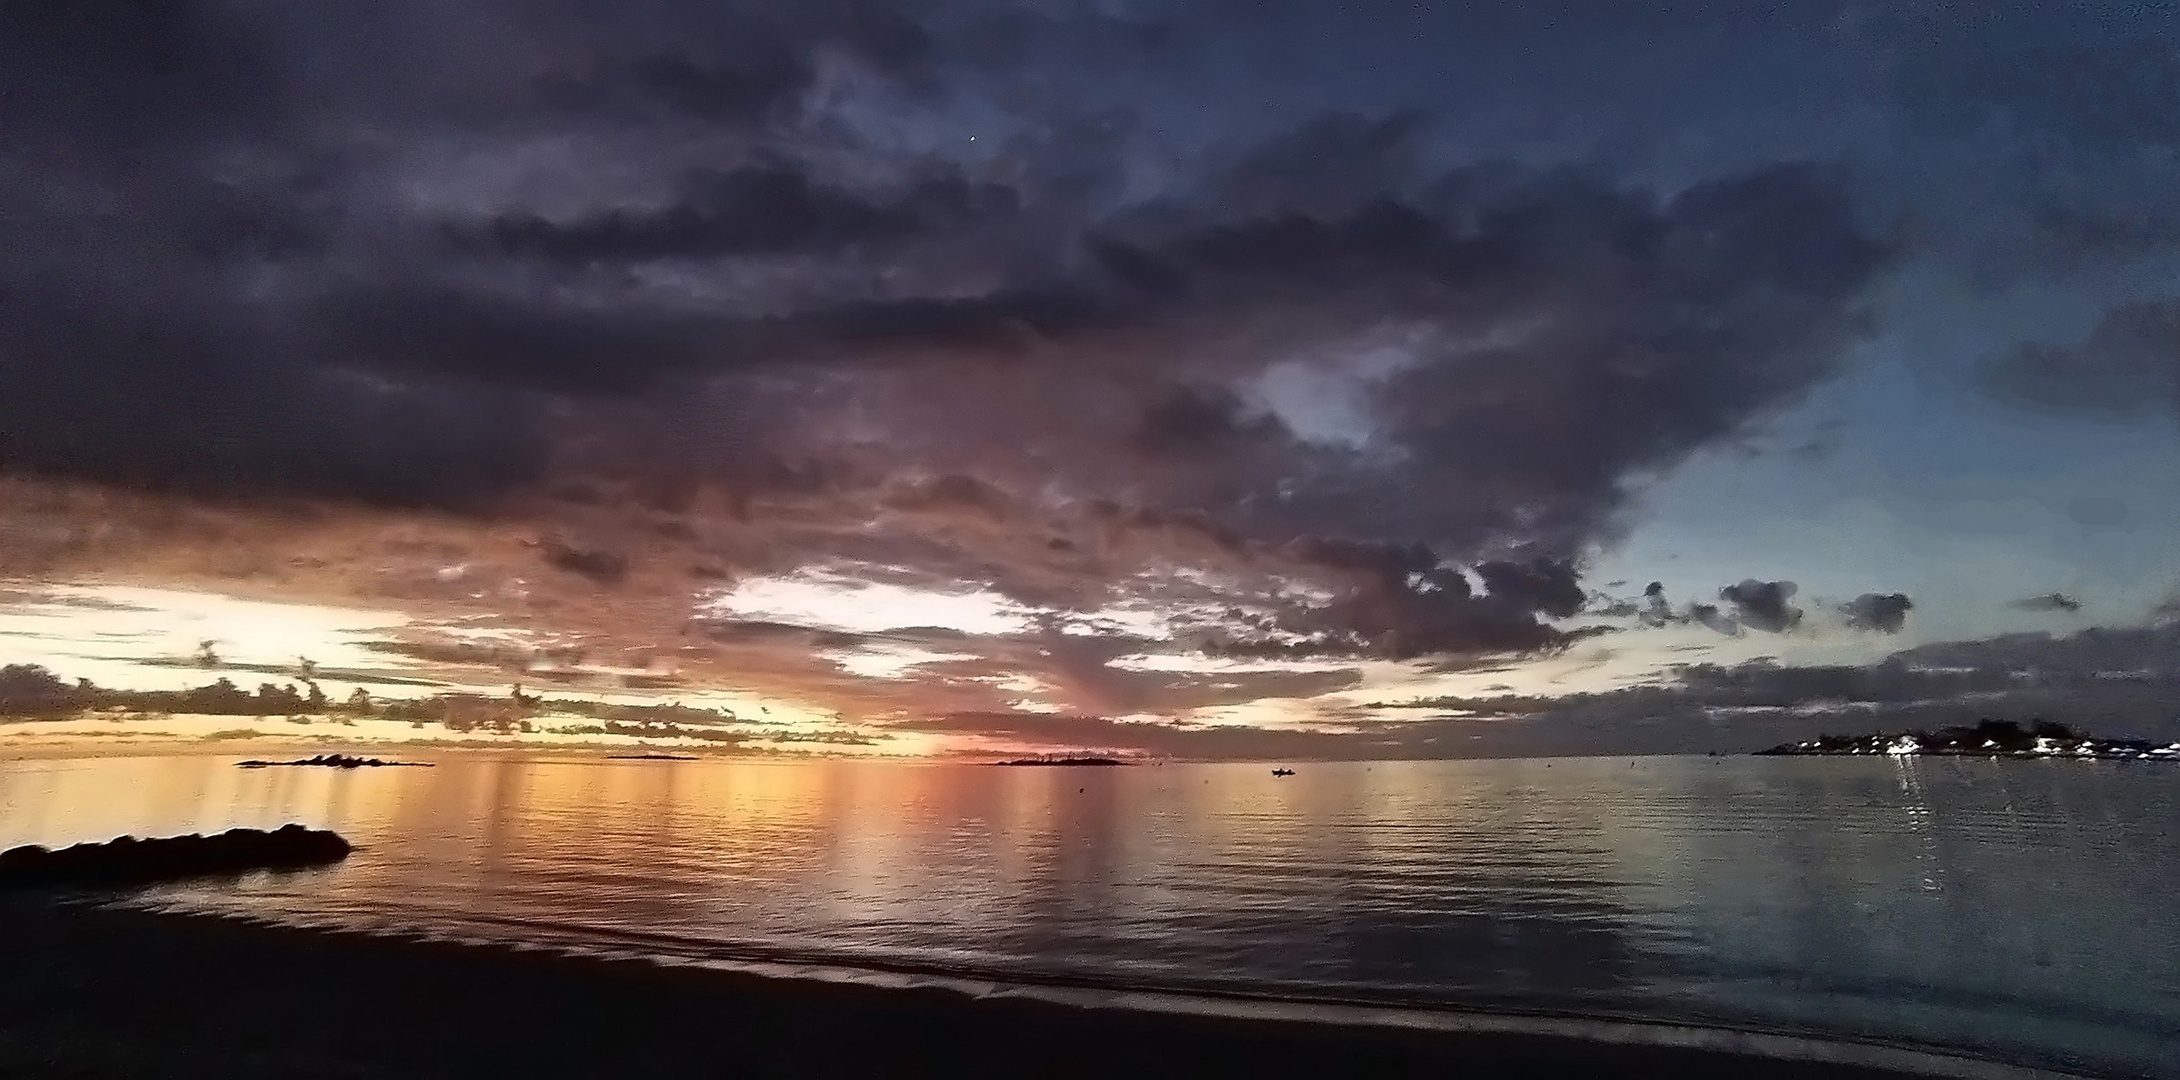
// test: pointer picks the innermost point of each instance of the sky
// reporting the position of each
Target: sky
(1202, 378)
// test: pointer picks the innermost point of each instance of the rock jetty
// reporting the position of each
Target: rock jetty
(127, 861)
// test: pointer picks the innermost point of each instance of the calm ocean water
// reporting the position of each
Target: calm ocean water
(2025, 909)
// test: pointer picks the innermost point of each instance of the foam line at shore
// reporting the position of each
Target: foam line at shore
(1448, 1019)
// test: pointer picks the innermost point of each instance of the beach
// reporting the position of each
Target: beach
(100, 992)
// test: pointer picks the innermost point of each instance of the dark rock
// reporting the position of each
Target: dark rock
(335, 761)
(126, 861)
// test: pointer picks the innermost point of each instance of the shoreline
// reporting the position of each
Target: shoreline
(42, 749)
(123, 992)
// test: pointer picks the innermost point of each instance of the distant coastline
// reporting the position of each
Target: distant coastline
(1989, 739)
(1061, 761)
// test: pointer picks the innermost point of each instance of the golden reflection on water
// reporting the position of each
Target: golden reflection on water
(1944, 900)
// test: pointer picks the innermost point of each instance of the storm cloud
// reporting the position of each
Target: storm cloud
(2048, 602)
(1883, 612)
(1305, 340)
(2129, 364)
(736, 257)
(1763, 605)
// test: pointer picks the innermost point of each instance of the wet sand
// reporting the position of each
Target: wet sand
(91, 992)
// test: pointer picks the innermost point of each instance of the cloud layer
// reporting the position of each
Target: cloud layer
(666, 261)
(1285, 339)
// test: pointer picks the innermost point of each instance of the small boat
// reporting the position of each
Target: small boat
(1282, 772)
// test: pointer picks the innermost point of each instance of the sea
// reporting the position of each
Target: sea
(2025, 911)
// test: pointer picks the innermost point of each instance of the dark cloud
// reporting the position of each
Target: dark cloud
(1191, 421)
(2097, 511)
(1651, 609)
(952, 492)
(750, 210)
(1401, 601)
(140, 399)
(2077, 659)
(1753, 604)
(2048, 602)
(2106, 91)
(1882, 612)
(598, 564)
(743, 265)
(2129, 364)
(1657, 610)
(727, 63)
(1768, 684)
(113, 68)
(1541, 585)
(1762, 605)
(1294, 329)
(411, 334)
(1709, 616)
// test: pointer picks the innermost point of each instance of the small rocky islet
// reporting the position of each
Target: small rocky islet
(334, 761)
(1988, 739)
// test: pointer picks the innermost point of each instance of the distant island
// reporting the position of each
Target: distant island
(1990, 738)
(335, 761)
(652, 757)
(1062, 761)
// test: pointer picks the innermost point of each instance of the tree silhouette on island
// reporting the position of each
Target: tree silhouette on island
(31, 692)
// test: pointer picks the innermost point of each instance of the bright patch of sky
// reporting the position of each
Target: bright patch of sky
(1199, 664)
(1139, 620)
(1270, 713)
(1036, 699)
(108, 633)
(890, 660)
(1330, 402)
(833, 600)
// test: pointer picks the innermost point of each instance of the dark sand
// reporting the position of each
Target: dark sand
(88, 992)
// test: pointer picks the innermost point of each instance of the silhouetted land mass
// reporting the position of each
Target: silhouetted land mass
(31, 692)
(1062, 761)
(127, 861)
(337, 761)
(28, 690)
(652, 757)
(111, 993)
(1990, 738)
